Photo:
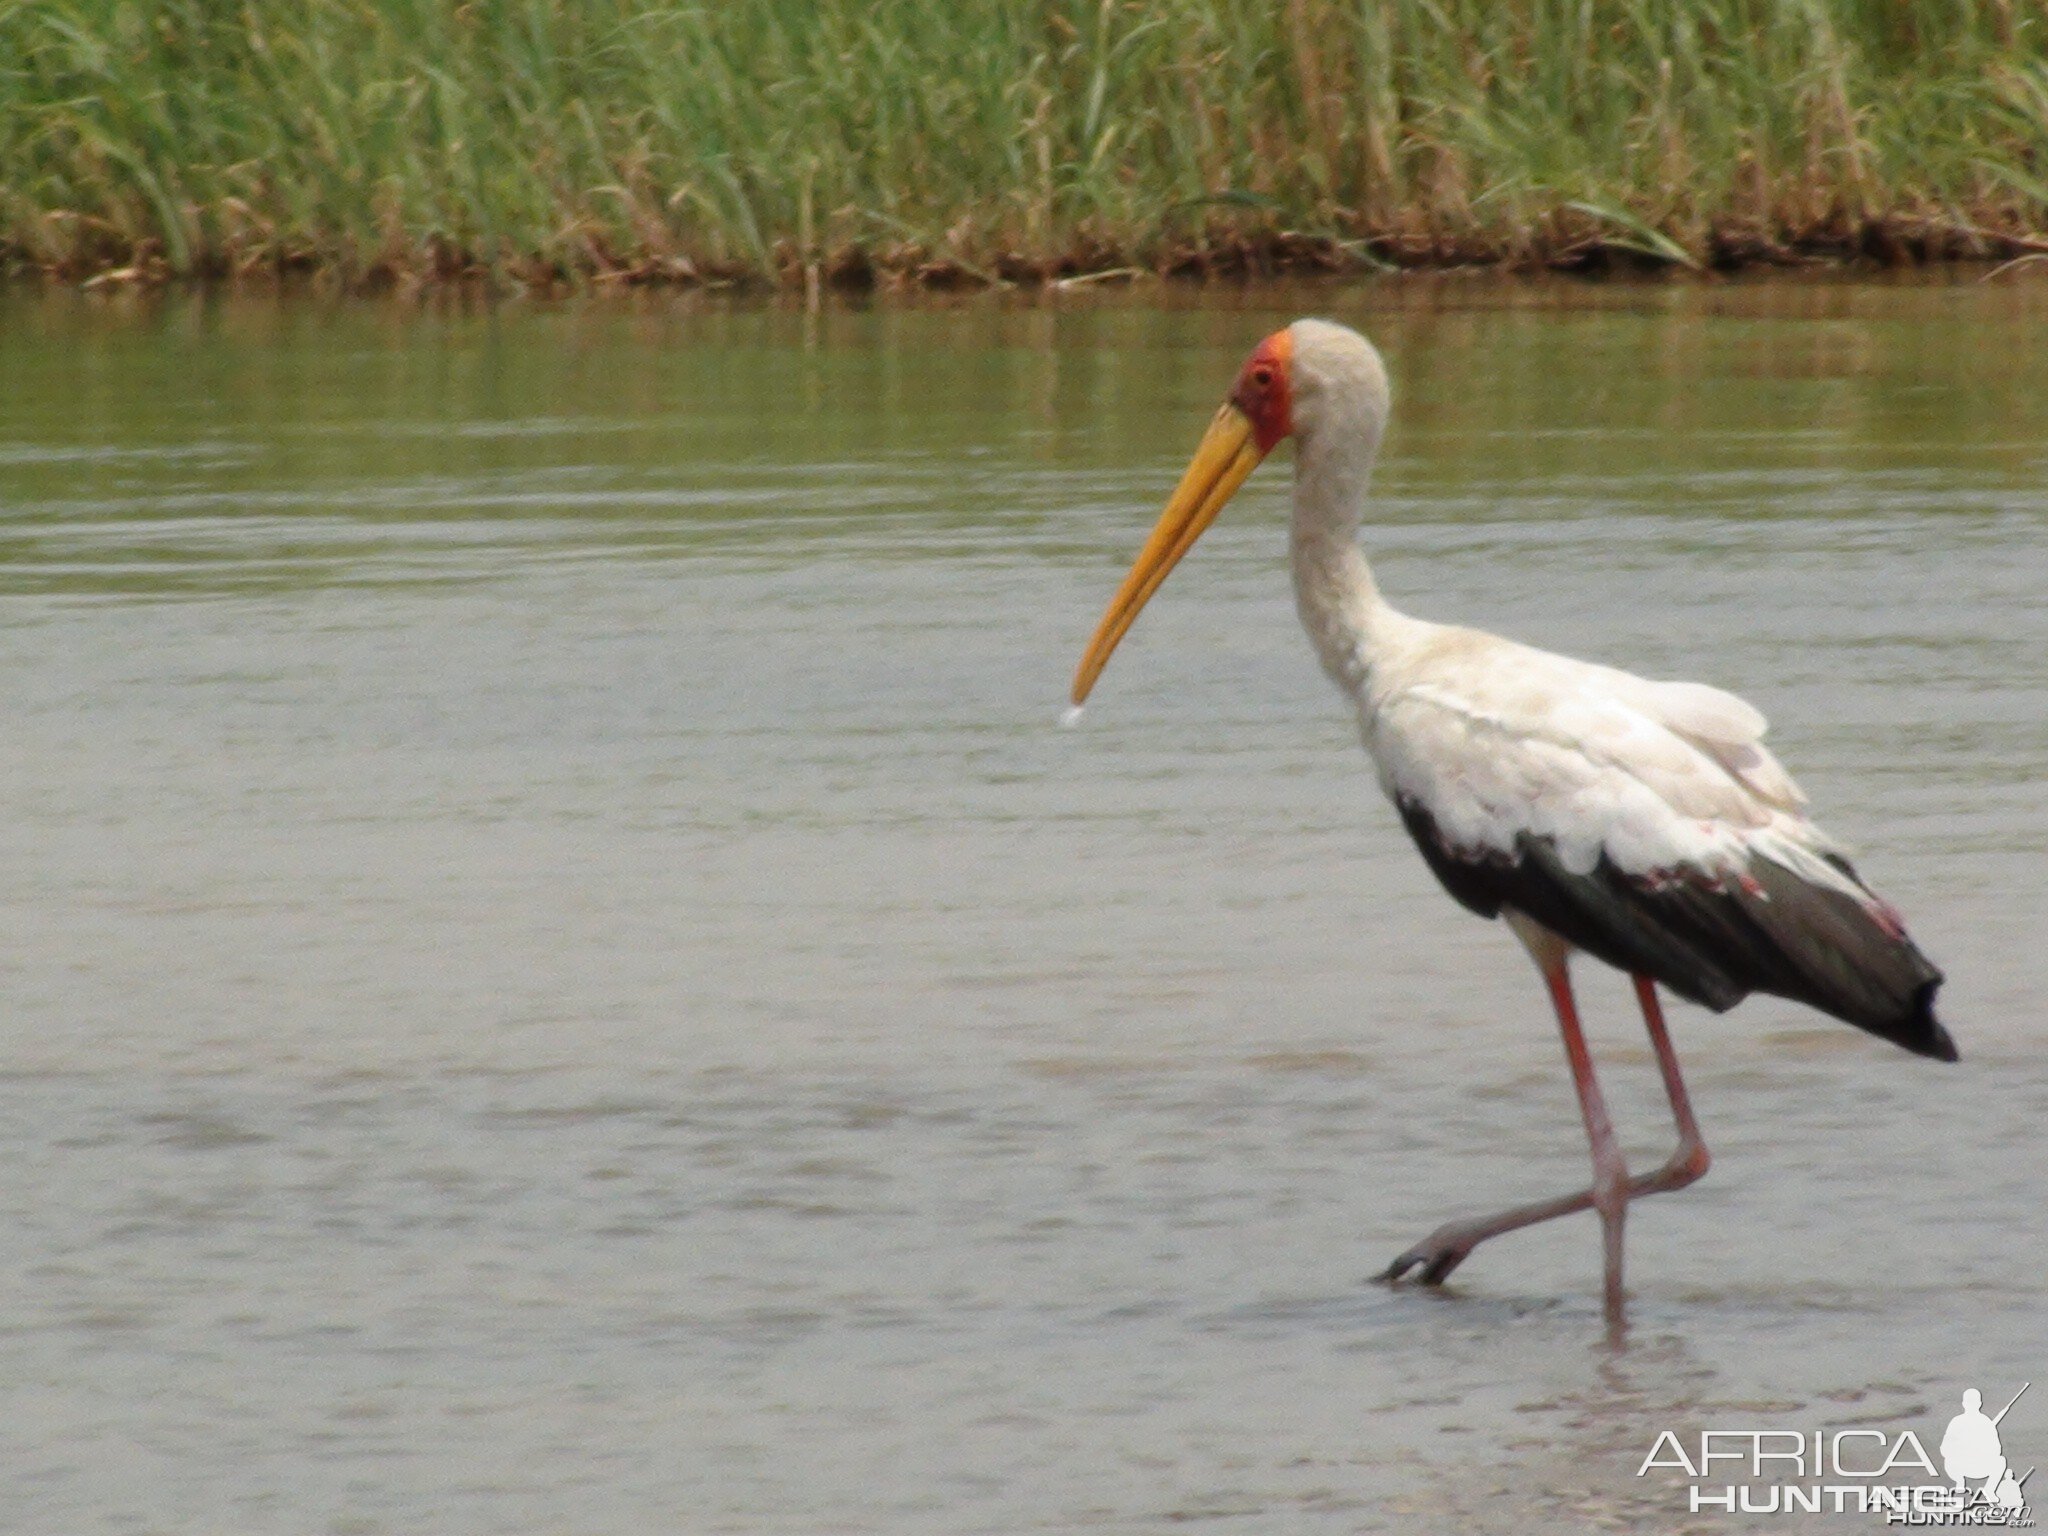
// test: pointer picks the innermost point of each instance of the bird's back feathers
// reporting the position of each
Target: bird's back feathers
(1645, 822)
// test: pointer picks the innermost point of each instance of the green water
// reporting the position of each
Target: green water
(560, 976)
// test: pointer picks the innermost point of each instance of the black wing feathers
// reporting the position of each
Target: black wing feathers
(1714, 942)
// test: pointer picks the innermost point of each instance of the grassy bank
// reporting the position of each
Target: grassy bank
(860, 140)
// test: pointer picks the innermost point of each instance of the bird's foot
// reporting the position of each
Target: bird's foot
(1435, 1256)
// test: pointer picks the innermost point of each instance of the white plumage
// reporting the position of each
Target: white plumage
(1497, 740)
(1643, 821)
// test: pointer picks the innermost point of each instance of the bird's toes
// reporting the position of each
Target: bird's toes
(1394, 1271)
(1430, 1260)
(1440, 1265)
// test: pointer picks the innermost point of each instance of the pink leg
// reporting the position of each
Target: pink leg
(1446, 1248)
(1690, 1160)
(1610, 1173)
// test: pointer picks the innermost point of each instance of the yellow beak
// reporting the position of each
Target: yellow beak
(1228, 453)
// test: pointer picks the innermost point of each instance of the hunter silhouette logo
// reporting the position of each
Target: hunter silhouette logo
(1970, 1450)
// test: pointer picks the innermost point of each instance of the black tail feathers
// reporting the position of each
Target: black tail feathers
(1922, 1033)
(1841, 950)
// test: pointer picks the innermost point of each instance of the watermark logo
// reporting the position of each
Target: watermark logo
(1845, 1471)
(1971, 1449)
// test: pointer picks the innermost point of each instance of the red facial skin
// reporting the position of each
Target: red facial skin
(1262, 392)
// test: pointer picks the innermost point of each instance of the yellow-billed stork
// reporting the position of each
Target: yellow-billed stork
(1642, 822)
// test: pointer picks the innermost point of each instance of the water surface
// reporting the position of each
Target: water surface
(560, 977)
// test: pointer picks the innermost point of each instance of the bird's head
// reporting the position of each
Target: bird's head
(1312, 378)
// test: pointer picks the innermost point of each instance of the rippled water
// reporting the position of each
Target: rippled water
(560, 977)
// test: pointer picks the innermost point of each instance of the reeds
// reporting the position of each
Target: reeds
(556, 141)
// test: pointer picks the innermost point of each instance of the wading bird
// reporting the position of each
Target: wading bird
(1642, 822)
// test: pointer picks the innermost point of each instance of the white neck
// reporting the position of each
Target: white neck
(1334, 591)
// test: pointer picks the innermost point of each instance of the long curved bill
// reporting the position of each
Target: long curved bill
(1229, 451)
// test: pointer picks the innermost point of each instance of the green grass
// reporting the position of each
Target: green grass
(566, 140)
